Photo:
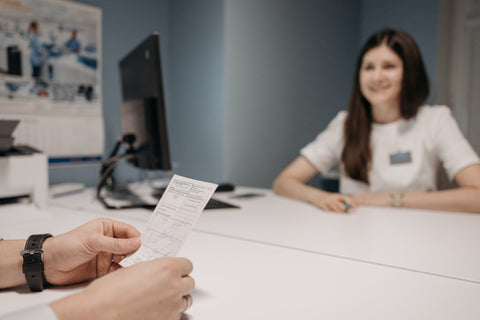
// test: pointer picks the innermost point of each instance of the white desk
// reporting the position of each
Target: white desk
(442, 243)
(245, 279)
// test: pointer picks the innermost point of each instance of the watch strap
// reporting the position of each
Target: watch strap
(32, 262)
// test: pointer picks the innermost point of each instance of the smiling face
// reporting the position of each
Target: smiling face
(381, 75)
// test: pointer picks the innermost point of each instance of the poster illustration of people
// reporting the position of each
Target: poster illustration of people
(50, 76)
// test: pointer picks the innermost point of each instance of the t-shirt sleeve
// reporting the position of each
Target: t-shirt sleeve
(324, 152)
(452, 147)
(42, 311)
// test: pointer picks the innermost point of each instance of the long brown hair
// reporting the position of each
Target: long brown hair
(357, 153)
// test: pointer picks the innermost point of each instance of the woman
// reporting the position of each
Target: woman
(389, 145)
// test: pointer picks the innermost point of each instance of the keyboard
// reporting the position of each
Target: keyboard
(211, 204)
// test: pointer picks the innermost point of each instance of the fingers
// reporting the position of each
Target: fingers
(122, 230)
(188, 302)
(123, 239)
(116, 258)
(185, 266)
(156, 289)
(110, 236)
(181, 268)
(177, 270)
(117, 246)
(114, 267)
(337, 203)
(187, 285)
(349, 204)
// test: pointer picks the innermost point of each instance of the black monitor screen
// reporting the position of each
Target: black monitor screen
(143, 105)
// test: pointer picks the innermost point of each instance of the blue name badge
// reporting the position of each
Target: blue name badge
(400, 157)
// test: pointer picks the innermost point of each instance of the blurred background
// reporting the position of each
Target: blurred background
(250, 82)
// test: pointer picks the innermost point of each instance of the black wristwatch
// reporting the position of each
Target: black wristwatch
(33, 262)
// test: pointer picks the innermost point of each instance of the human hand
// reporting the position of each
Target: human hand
(154, 289)
(335, 202)
(88, 251)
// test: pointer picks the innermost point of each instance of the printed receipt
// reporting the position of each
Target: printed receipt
(173, 218)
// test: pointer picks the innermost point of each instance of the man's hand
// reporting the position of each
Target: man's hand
(154, 289)
(88, 251)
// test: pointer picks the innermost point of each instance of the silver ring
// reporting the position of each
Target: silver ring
(189, 300)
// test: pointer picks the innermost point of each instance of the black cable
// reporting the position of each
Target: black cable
(110, 183)
(127, 139)
(106, 171)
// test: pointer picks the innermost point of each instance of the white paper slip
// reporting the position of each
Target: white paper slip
(173, 218)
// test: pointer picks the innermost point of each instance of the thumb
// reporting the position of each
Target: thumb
(117, 245)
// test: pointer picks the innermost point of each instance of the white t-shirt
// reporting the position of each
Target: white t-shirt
(406, 154)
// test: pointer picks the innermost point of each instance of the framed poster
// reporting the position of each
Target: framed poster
(50, 77)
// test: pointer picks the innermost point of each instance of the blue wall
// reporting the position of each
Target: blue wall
(191, 41)
(289, 67)
(197, 78)
(248, 82)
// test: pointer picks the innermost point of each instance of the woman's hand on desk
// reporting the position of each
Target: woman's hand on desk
(89, 251)
(335, 202)
(291, 183)
(155, 289)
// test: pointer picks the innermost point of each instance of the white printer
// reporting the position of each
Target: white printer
(23, 170)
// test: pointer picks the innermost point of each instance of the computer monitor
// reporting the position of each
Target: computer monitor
(144, 124)
(143, 112)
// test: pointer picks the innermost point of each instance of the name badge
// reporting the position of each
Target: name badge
(400, 157)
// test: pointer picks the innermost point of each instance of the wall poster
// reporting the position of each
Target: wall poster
(50, 77)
